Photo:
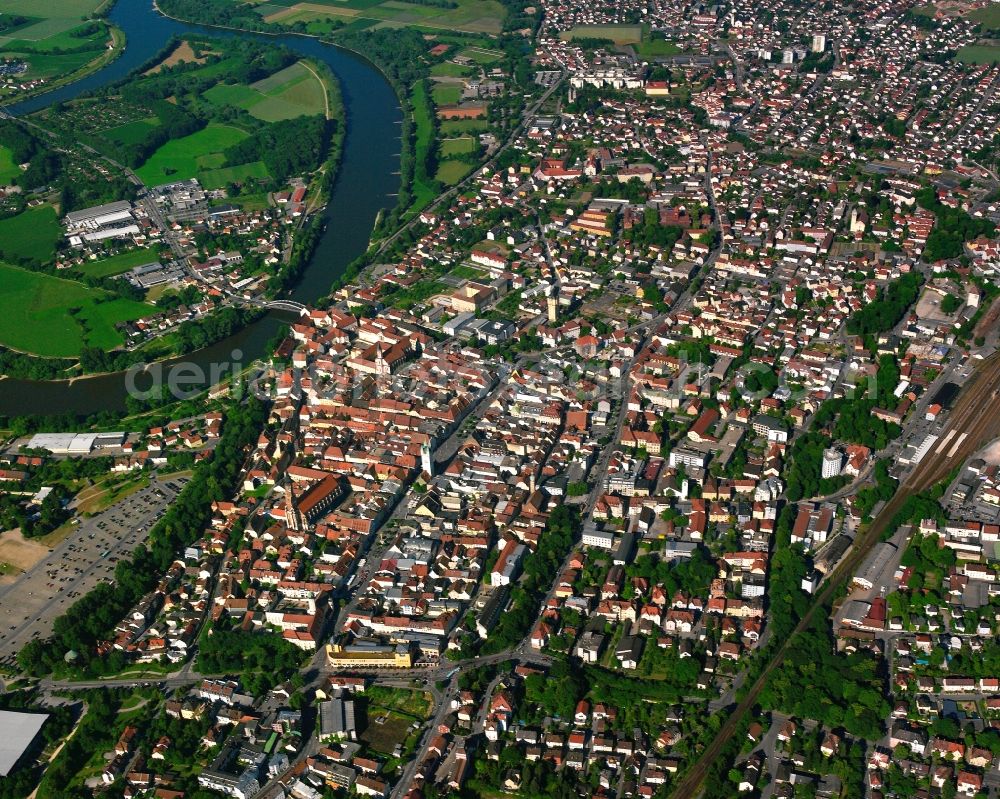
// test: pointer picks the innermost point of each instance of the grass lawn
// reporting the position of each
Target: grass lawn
(31, 234)
(251, 202)
(8, 169)
(107, 492)
(619, 34)
(446, 69)
(988, 17)
(423, 124)
(450, 147)
(446, 94)
(656, 48)
(481, 56)
(117, 264)
(51, 316)
(179, 159)
(979, 54)
(449, 127)
(467, 272)
(450, 172)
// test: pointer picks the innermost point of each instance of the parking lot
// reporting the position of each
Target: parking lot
(87, 556)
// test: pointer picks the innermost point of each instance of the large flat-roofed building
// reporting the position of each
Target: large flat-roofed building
(99, 215)
(75, 443)
(155, 274)
(336, 719)
(874, 565)
(378, 657)
(63, 443)
(17, 732)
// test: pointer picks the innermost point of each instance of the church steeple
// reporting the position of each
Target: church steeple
(292, 516)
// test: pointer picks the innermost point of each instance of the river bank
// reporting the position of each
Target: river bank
(365, 183)
(299, 237)
(118, 43)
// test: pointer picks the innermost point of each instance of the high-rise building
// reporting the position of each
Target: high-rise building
(833, 462)
(819, 42)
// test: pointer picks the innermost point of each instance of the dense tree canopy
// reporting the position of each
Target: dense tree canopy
(885, 313)
(844, 690)
(952, 229)
(290, 147)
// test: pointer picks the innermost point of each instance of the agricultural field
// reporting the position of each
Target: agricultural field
(34, 318)
(472, 16)
(8, 169)
(116, 264)
(183, 53)
(49, 19)
(54, 38)
(619, 34)
(979, 54)
(190, 156)
(292, 92)
(32, 234)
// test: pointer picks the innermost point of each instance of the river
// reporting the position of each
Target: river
(366, 183)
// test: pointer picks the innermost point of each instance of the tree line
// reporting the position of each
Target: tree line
(287, 148)
(92, 617)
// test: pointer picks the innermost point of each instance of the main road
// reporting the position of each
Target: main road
(971, 417)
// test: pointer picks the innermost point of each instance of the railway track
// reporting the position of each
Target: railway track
(977, 414)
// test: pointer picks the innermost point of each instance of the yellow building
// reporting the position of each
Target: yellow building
(382, 658)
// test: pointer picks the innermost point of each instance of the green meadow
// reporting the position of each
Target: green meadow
(187, 157)
(32, 234)
(55, 317)
(8, 169)
(979, 54)
(116, 264)
(988, 16)
(288, 93)
(470, 16)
